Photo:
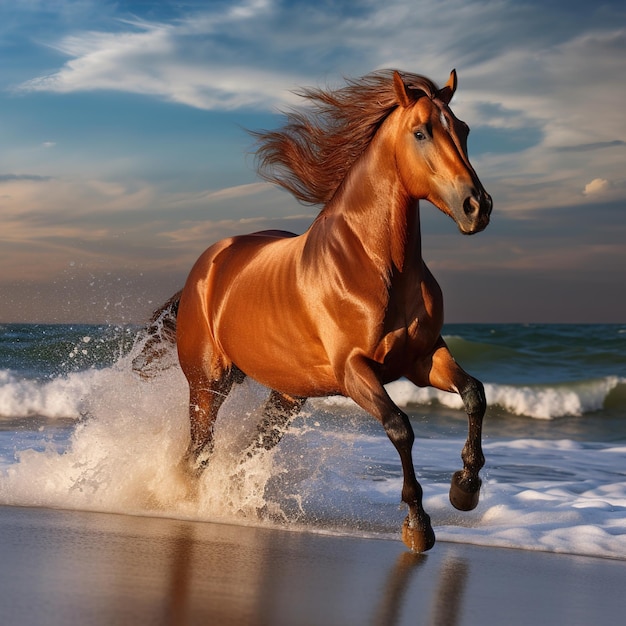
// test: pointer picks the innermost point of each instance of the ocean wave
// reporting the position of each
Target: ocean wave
(478, 351)
(539, 355)
(536, 401)
(577, 398)
(59, 397)
(66, 396)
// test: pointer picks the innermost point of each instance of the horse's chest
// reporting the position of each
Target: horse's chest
(409, 336)
(407, 331)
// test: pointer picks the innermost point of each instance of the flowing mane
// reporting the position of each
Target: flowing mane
(312, 153)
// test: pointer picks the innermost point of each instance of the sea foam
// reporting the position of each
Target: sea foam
(125, 453)
(62, 396)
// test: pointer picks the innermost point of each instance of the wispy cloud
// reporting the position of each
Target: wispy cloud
(560, 84)
(252, 53)
(138, 225)
(198, 233)
(4, 178)
(193, 61)
(588, 147)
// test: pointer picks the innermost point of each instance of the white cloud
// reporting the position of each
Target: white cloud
(169, 61)
(596, 186)
(256, 52)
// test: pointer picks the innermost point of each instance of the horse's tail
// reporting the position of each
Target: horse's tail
(157, 341)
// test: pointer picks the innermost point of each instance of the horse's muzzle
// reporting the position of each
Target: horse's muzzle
(476, 211)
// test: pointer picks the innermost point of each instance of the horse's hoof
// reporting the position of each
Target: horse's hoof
(464, 492)
(418, 537)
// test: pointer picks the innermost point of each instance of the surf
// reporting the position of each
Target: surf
(103, 439)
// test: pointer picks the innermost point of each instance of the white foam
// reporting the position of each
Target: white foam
(64, 396)
(547, 402)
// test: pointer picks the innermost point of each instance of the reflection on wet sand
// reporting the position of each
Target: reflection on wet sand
(215, 580)
(240, 583)
(177, 609)
(446, 601)
(397, 583)
(64, 567)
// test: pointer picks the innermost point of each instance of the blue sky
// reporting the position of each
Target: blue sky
(124, 150)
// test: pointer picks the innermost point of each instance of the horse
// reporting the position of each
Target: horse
(349, 305)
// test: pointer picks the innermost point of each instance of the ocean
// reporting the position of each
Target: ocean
(80, 430)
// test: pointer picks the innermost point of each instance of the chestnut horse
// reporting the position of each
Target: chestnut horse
(349, 305)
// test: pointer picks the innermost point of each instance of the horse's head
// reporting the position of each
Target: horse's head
(432, 155)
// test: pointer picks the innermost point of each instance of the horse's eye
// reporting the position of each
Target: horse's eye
(419, 135)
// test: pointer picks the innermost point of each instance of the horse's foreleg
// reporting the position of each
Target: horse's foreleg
(365, 388)
(279, 409)
(465, 486)
(447, 375)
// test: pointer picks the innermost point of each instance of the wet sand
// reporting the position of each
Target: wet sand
(63, 567)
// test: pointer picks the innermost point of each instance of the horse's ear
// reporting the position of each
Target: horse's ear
(447, 92)
(402, 93)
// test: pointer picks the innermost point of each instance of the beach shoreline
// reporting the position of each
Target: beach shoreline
(62, 567)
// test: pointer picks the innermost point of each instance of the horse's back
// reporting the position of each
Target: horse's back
(222, 263)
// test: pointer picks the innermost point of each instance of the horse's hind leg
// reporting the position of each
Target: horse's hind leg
(447, 375)
(206, 396)
(279, 409)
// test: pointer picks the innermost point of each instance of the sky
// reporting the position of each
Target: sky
(124, 150)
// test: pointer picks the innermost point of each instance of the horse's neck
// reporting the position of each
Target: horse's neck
(374, 209)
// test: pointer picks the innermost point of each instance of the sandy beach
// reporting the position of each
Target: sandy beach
(67, 567)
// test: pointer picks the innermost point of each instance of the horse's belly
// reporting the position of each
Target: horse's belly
(291, 372)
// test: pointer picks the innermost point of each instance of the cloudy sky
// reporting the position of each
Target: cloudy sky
(124, 151)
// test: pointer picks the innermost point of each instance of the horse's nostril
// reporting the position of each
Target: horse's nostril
(470, 205)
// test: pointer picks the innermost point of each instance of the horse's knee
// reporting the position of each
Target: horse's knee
(399, 430)
(473, 396)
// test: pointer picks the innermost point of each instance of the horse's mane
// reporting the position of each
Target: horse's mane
(312, 153)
